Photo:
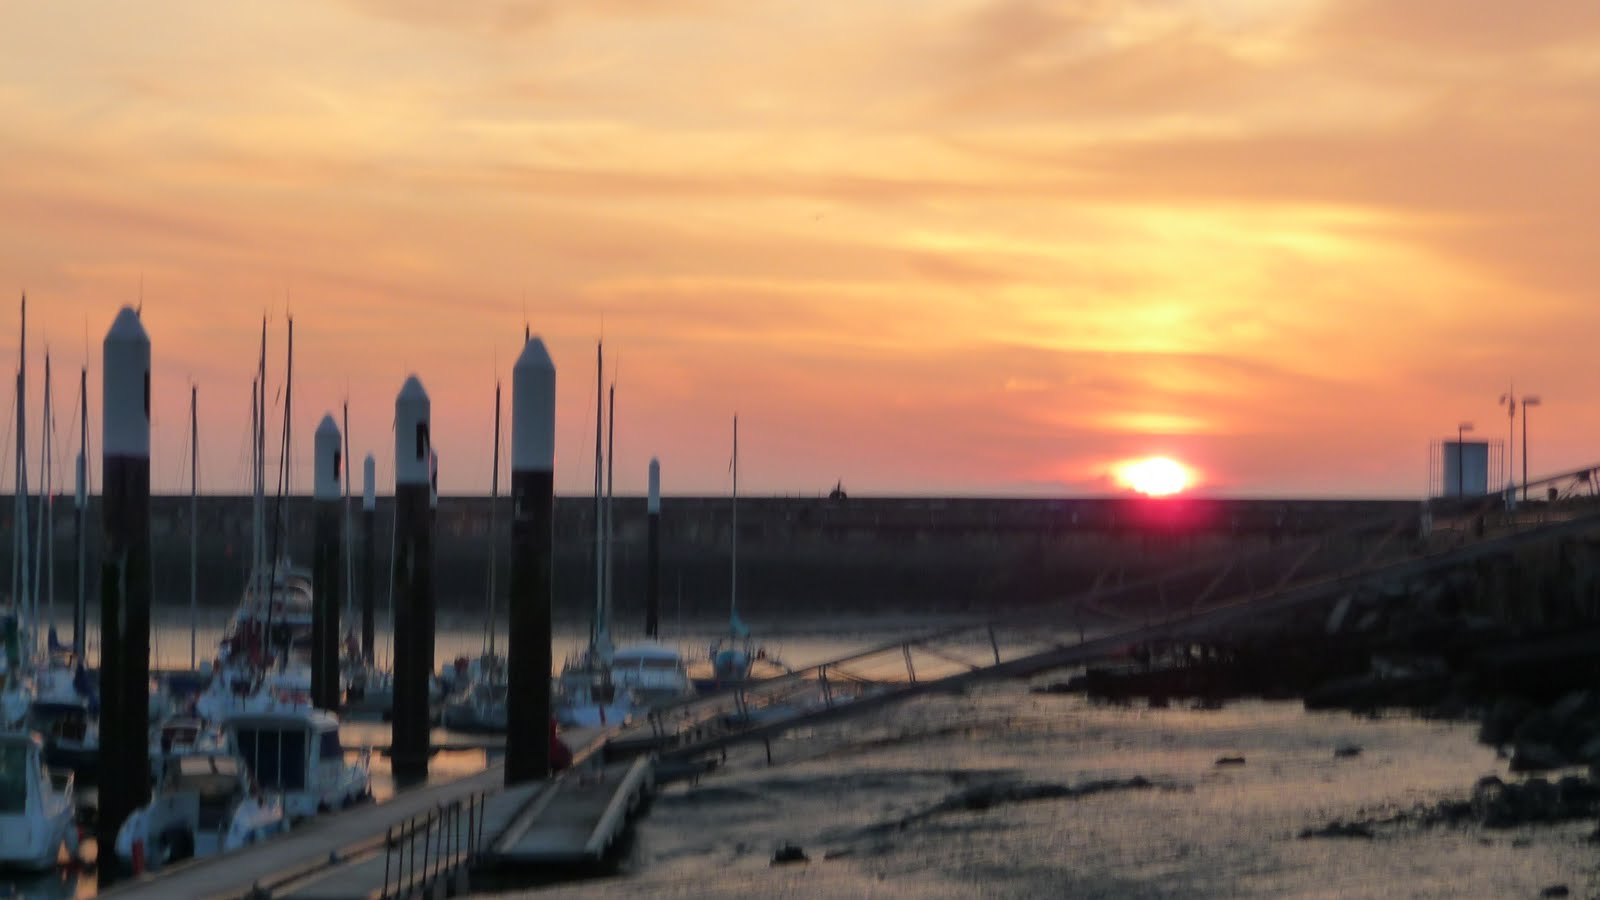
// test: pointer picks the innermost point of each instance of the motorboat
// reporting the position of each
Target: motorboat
(36, 806)
(204, 804)
(297, 752)
(654, 674)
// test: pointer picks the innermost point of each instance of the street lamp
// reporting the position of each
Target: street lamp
(1527, 401)
(1509, 401)
(1461, 459)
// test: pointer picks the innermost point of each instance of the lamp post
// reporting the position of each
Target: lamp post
(1527, 401)
(1461, 460)
(1509, 401)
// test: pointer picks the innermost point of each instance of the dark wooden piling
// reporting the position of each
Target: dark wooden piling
(125, 578)
(327, 574)
(528, 655)
(413, 582)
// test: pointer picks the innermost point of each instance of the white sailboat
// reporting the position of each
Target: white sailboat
(607, 685)
(732, 656)
(479, 694)
(16, 694)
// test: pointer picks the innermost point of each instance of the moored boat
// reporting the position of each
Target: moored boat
(297, 752)
(204, 805)
(36, 806)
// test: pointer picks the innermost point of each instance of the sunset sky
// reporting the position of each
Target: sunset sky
(932, 247)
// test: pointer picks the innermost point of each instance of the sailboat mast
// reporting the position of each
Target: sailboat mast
(494, 498)
(44, 578)
(24, 605)
(733, 589)
(349, 537)
(288, 433)
(81, 510)
(259, 561)
(194, 520)
(279, 529)
(599, 547)
(611, 493)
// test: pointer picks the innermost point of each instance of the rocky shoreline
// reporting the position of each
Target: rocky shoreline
(1534, 692)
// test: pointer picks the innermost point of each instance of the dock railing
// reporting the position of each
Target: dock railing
(450, 837)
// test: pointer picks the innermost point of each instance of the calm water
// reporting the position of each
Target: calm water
(875, 802)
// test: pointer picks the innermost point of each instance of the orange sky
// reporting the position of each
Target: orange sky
(952, 246)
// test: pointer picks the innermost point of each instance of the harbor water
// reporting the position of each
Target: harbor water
(1002, 792)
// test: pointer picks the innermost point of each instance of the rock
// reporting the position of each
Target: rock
(1500, 721)
(1554, 890)
(1493, 804)
(789, 853)
(1533, 756)
(1231, 761)
(1538, 801)
(1344, 751)
(1338, 830)
(1578, 797)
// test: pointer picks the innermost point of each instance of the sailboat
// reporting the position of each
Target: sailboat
(65, 705)
(257, 667)
(478, 700)
(732, 656)
(36, 808)
(17, 626)
(604, 685)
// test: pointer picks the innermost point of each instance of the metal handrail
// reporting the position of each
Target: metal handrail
(444, 844)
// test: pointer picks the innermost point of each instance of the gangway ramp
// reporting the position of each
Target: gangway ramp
(954, 658)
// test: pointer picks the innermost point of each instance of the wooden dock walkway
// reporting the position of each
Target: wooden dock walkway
(343, 843)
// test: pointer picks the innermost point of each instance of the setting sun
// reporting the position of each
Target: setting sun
(1156, 476)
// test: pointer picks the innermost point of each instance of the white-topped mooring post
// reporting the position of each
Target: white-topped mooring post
(327, 575)
(652, 587)
(369, 513)
(413, 580)
(528, 654)
(125, 577)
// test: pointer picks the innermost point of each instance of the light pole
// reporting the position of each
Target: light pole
(1527, 401)
(1461, 460)
(1509, 401)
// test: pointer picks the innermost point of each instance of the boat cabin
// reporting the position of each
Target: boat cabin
(297, 753)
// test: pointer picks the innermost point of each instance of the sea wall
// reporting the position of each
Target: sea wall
(795, 555)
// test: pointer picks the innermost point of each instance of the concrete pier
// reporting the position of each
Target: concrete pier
(327, 573)
(125, 578)
(528, 654)
(413, 580)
